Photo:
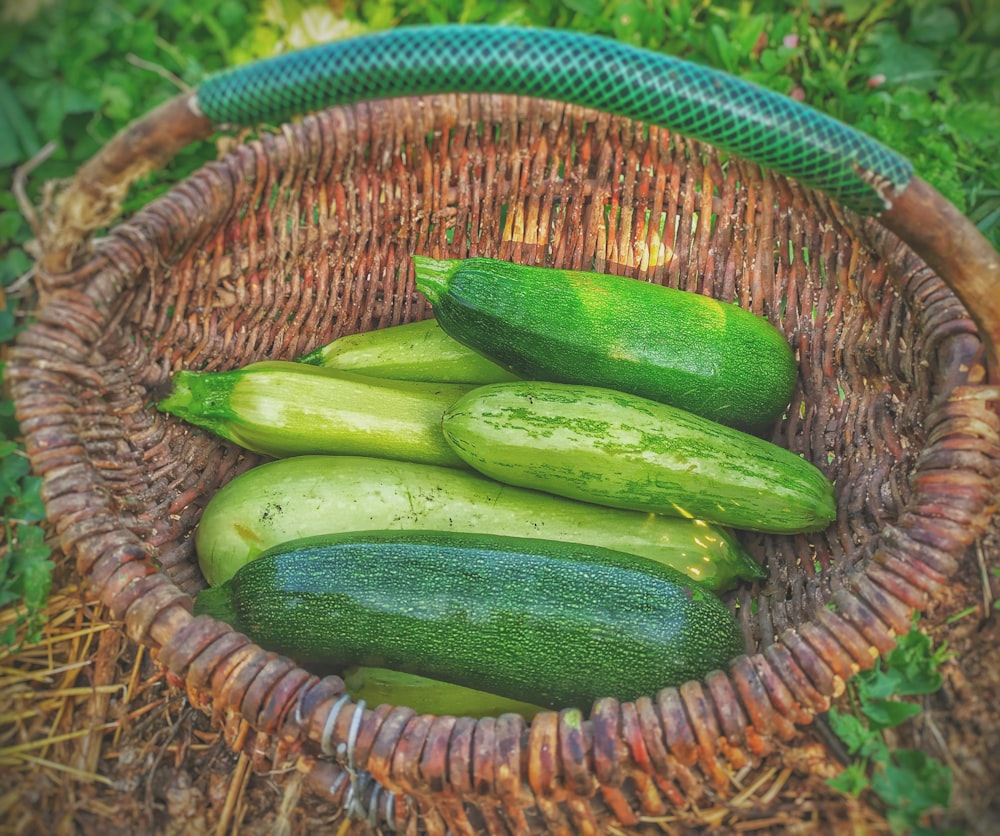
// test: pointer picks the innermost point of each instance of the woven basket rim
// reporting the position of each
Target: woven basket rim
(762, 700)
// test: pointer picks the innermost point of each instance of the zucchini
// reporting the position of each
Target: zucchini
(282, 408)
(412, 351)
(311, 495)
(711, 358)
(556, 624)
(611, 448)
(378, 686)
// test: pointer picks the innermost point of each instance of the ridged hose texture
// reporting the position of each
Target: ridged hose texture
(586, 70)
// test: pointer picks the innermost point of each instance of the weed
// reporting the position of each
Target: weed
(908, 782)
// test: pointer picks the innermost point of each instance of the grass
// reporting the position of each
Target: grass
(923, 76)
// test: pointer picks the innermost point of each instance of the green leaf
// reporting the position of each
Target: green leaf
(12, 225)
(885, 714)
(28, 505)
(12, 470)
(885, 53)
(18, 139)
(911, 668)
(14, 265)
(852, 781)
(911, 784)
(25, 576)
(629, 21)
(976, 122)
(232, 14)
(854, 10)
(775, 60)
(723, 52)
(857, 737)
(117, 97)
(915, 655)
(746, 33)
(988, 20)
(379, 14)
(933, 24)
(898, 680)
(59, 100)
(587, 8)
(8, 325)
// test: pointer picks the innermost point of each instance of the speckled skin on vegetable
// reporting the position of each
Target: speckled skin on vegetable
(556, 624)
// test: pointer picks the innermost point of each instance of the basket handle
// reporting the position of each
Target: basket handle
(596, 72)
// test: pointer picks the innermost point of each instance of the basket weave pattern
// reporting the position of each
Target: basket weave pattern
(303, 235)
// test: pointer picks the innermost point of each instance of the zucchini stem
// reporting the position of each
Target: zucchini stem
(216, 601)
(433, 275)
(202, 398)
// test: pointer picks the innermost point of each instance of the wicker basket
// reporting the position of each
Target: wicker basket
(306, 233)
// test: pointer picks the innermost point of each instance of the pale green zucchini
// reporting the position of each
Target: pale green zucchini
(412, 351)
(283, 408)
(311, 495)
(382, 686)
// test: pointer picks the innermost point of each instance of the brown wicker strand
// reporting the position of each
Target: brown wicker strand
(787, 713)
(731, 718)
(699, 708)
(668, 768)
(576, 742)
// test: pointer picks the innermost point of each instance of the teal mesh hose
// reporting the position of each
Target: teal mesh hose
(587, 70)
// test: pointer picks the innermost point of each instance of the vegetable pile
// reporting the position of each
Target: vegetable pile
(525, 502)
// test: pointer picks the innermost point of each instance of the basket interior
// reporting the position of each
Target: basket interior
(300, 236)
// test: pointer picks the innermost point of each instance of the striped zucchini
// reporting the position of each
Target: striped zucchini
(412, 351)
(311, 495)
(282, 408)
(551, 623)
(694, 352)
(615, 449)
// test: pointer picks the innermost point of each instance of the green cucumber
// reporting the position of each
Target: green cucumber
(378, 686)
(412, 351)
(282, 408)
(305, 496)
(711, 358)
(615, 449)
(556, 624)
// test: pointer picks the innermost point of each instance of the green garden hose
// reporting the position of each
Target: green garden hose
(587, 70)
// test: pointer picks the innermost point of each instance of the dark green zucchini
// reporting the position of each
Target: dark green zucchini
(552, 623)
(708, 357)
